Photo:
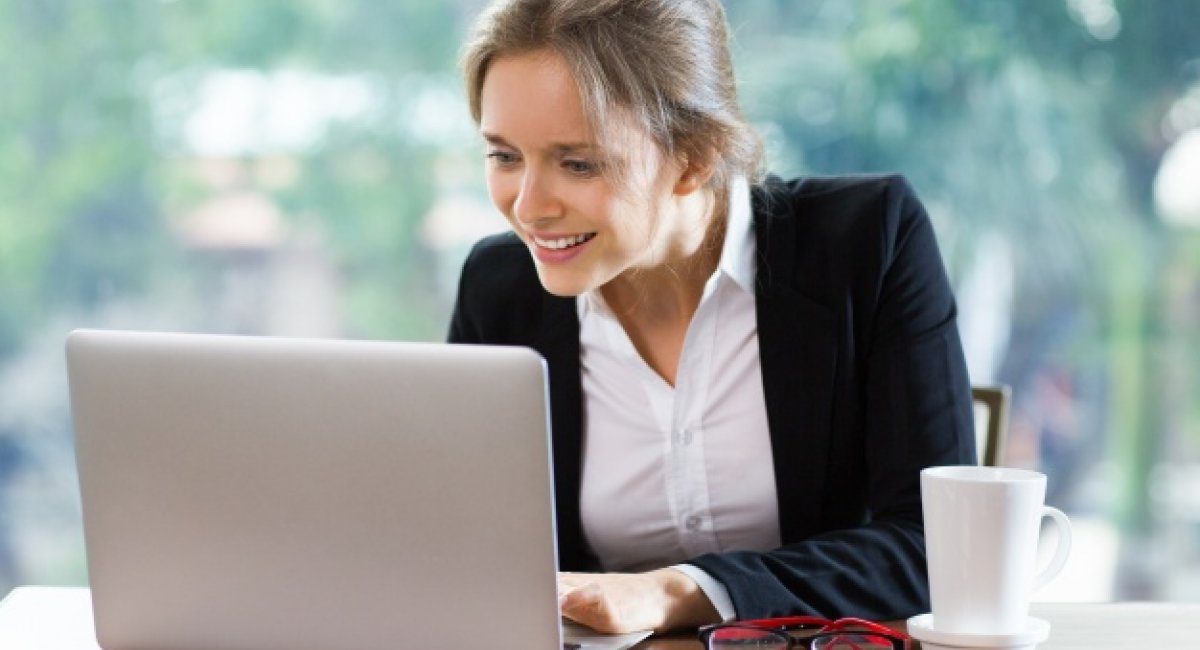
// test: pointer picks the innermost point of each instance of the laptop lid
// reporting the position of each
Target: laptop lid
(243, 492)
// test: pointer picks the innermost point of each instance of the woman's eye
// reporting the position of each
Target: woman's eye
(502, 157)
(580, 167)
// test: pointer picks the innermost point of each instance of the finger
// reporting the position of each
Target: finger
(580, 598)
(566, 586)
(568, 604)
(590, 606)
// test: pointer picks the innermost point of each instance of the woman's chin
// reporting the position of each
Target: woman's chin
(563, 285)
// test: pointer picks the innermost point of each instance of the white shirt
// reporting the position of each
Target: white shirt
(670, 473)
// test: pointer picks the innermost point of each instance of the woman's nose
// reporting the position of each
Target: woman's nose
(536, 200)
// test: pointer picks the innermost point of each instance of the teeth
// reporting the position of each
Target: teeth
(563, 242)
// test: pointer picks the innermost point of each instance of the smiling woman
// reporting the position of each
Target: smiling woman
(715, 340)
(555, 185)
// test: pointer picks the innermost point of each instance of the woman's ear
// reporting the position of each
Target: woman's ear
(695, 174)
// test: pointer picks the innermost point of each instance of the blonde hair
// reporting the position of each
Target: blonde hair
(665, 63)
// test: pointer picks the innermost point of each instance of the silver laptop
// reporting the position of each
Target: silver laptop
(244, 492)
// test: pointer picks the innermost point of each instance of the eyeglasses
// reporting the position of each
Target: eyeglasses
(815, 634)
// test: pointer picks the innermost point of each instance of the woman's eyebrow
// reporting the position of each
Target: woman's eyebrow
(573, 147)
(495, 139)
(557, 148)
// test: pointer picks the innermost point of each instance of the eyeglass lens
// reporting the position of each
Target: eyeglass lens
(747, 637)
(851, 641)
(743, 637)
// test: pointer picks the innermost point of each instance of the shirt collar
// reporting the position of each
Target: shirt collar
(737, 253)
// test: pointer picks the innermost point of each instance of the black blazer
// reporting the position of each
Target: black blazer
(864, 379)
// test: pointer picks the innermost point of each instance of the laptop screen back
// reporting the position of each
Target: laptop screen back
(243, 492)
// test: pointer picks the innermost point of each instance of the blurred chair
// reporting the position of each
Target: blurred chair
(991, 423)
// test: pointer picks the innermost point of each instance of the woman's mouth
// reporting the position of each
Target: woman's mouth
(562, 243)
(559, 250)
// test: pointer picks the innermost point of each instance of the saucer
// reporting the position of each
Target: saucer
(921, 628)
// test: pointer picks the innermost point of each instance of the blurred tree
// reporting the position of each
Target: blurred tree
(85, 168)
(77, 217)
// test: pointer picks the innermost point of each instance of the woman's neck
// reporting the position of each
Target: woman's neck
(668, 294)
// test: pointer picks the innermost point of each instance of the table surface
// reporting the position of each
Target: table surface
(1078, 626)
(60, 618)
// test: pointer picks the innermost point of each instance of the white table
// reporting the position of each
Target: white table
(60, 618)
(47, 618)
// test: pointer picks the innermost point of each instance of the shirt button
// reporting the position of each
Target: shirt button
(683, 438)
(692, 523)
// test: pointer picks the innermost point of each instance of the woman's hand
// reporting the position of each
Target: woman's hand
(660, 600)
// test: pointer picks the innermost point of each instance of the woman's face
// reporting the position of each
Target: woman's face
(545, 174)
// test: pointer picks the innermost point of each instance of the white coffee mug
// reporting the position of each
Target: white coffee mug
(981, 535)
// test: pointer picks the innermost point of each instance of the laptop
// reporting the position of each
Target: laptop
(253, 492)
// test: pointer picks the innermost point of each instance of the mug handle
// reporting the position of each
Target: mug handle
(1060, 554)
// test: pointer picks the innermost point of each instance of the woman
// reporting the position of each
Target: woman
(746, 375)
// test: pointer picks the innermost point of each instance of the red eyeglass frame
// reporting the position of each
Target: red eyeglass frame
(900, 640)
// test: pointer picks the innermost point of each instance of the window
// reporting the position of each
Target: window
(309, 168)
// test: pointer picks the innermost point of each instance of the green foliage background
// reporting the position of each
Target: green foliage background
(1011, 118)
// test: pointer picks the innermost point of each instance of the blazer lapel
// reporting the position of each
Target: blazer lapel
(559, 344)
(797, 340)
